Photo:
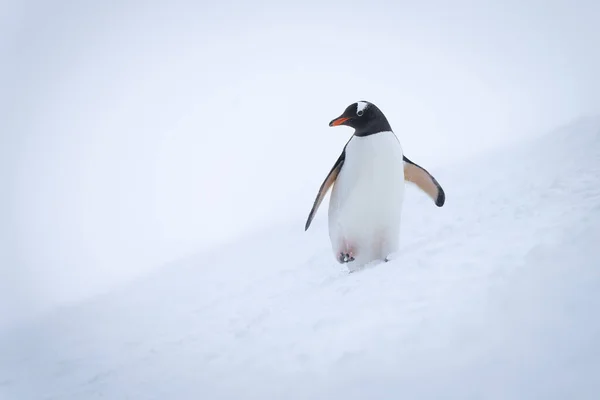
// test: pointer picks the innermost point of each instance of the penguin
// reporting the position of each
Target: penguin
(368, 180)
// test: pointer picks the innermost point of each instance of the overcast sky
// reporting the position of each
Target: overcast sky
(133, 134)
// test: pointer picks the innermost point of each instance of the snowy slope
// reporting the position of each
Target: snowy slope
(494, 296)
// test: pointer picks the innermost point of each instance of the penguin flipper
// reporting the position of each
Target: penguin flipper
(424, 180)
(327, 183)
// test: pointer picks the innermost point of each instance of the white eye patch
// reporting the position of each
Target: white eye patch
(360, 108)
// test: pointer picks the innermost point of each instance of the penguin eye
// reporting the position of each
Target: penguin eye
(360, 113)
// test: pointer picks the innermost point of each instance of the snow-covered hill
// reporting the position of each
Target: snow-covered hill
(494, 296)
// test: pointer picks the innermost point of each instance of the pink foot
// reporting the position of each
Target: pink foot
(346, 254)
(345, 258)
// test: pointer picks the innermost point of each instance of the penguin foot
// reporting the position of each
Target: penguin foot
(345, 257)
(391, 257)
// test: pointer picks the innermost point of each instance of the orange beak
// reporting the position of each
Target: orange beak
(338, 121)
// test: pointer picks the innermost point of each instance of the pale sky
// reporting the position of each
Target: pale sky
(138, 133)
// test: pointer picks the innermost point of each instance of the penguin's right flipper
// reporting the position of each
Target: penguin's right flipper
(425, 181)
(329, 180)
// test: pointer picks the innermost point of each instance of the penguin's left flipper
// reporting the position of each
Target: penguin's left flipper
(425, 181)
(329, 180)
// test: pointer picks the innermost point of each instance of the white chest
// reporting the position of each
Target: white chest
(373, 171)
(366, 200)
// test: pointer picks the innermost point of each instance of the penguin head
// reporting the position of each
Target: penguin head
(365, 117)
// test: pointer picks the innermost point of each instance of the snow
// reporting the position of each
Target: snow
(495, 295)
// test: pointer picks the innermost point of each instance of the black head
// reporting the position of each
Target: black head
(364, 117)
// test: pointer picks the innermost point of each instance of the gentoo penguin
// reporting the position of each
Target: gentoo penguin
(368, 182)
